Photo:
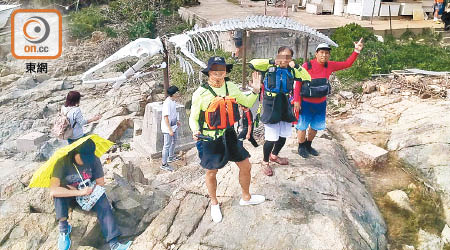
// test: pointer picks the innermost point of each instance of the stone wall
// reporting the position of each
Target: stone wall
(150, 143)
(264, 44)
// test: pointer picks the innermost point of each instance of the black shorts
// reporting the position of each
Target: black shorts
(217, 153)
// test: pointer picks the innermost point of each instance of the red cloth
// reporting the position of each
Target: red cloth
(249, 119)
(319, 71)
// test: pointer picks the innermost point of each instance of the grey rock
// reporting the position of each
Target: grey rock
(428, 241)
(400, 198)
(8, 79)
(26, 83)
(41, 78)
(446, 234)
(48, 148)
(67, 84)
(113, 129)
(346, 94)
(133, 174)
(314, 204)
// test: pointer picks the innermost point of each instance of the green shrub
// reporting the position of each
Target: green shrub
(145, 27)
(86, 21)
(408, 34)
(378, 57)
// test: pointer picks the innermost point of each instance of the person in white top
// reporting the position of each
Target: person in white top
(169, 125)
(73, 113)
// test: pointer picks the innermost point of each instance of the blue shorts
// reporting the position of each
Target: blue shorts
(440, 7)
(312, 114)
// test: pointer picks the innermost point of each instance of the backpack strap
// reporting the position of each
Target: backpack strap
(309, 65)
(206, 86)
(66, 113)
(201, 120)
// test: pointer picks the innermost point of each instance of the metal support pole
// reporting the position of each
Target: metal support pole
(265, 7)
(285, 9)
(390, 19)
(166, 70)
(305, 52)
(244, 59)
(373, 11)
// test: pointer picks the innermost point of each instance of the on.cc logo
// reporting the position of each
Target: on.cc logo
(36, 34)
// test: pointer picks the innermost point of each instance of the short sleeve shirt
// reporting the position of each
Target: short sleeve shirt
(169, 109)
(65, 171)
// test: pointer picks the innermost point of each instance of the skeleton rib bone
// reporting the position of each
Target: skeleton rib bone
(196, 39)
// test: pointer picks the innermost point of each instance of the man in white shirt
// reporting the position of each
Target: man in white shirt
(169, 125)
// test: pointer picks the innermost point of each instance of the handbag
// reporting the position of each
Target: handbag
(86, 202)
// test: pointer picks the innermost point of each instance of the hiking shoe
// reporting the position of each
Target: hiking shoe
(167, 167)
(302, 151)
(173, 159)
(216, 214)
(64, 241)
(254, 200)
(310, 149)
(120, 246)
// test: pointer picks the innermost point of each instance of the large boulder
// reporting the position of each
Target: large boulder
(28, 217)
(315, 204)
(421, 137)
(414, 129)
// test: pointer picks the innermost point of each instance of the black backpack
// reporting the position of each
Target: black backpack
(318, 87)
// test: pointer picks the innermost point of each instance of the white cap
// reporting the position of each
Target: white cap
(323, 46)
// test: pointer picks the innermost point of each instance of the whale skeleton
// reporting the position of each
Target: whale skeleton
(185, 46)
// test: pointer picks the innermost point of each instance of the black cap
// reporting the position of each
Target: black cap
(87, 152)
(216, 60)
(172, 90)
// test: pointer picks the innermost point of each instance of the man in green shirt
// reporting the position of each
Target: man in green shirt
(222, 145)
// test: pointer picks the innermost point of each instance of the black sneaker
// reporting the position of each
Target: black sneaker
(167, 167)
(302, 151)
(310, 149)
(174, 159)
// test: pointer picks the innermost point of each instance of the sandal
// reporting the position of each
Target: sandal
(279, 160)
(267, 170)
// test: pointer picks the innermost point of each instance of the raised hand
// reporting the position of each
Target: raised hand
(256, 82)
(292, 64)
(359, 45)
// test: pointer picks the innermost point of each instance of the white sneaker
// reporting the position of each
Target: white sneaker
(254, 200)
(215, 213)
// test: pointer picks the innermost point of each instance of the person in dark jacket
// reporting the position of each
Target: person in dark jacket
(247, 126)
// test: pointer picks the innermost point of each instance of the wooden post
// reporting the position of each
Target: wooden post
(373, 11)
(244, 59)
(265, 7)
(166, 70)
(390, 19)
(305, 52)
